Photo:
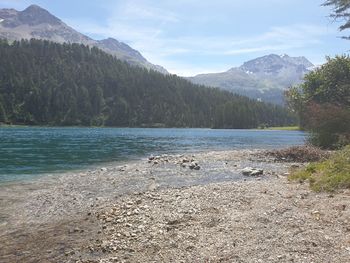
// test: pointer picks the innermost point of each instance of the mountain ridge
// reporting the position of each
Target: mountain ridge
(265, 78)
(37, 22)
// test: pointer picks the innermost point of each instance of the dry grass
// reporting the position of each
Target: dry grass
(301, 154)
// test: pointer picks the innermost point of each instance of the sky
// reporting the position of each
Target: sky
(190, 37)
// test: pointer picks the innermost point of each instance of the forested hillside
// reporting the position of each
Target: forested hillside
(45, 83)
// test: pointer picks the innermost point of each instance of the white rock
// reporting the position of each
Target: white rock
(249, 171)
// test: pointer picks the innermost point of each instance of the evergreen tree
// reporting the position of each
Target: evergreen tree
(3, 117)
(70, 84)
(341, 11)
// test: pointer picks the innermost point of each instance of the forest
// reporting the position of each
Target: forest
(46, 83)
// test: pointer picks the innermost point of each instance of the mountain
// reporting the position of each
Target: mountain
(36, 22)
(44, 82)
(264, 78)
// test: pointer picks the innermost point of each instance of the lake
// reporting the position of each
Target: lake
(26, 153)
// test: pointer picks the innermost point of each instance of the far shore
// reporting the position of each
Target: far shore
(282, 128)
(160, 210)
(285, 128)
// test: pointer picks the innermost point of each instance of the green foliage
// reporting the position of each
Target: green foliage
(47, 83)
(340, 12)
(328, 175)
(3, 117)
(323, 103)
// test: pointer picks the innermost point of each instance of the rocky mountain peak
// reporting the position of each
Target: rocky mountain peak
(273, 64)
(34, 8)
(299, 61)
(35, 15)
(267, 64)
(263, 78)
(7, 13)
(36, 22)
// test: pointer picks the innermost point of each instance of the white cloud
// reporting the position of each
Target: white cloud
(148, 29)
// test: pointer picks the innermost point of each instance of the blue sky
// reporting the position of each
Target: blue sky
(199, 36)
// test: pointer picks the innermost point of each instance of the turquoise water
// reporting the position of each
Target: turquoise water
(28, 152)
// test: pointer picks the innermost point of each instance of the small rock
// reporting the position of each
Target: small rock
(257, 172)
(103, 169)
(316, 214)
(249, 171)
(192, 165)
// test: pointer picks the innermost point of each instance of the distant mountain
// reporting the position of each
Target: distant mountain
(36, 22)
(264, 78)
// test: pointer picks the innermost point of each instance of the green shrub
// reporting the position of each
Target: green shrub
(322, 103)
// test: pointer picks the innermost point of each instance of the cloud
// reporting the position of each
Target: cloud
(162, 37)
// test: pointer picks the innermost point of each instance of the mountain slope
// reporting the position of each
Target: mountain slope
(36, 22)
(44, 83)
(264, 78)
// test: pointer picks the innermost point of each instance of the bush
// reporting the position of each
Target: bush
(329, 125)
(323, 103)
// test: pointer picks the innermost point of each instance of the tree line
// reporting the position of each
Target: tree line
(46, 83)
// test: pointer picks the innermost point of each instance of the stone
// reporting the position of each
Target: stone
(103, 169)
(192, 165)
(257, 172)
(249, 171)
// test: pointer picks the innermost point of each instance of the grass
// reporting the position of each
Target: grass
(287, 128)
(329, 175)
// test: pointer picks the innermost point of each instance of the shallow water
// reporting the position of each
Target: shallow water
(26, 153)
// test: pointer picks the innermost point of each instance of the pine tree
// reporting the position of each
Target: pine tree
(3, 117)
(341, 11)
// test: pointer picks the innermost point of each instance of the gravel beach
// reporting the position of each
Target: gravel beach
(174, 208)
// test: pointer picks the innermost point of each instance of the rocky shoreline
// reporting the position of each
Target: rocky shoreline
(175, 208)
